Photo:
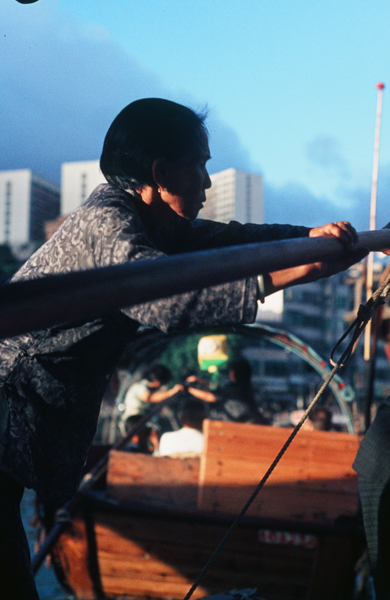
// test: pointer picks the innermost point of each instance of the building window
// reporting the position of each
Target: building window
(7, 212)
(83, 187)
(44, 206)
(248, 199)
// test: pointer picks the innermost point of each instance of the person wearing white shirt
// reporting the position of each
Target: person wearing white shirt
(188, 439)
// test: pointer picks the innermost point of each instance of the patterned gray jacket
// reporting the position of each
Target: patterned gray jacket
(52, 381)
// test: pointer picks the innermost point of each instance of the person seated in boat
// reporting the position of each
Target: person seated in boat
(145, 440)
(319, 419)
(154, 159)
(188, 439)
(149, 390)
(235, 401)
(199, 388)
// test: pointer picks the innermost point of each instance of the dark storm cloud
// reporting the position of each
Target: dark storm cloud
(295, 204)
(225, 145)
(62, 85)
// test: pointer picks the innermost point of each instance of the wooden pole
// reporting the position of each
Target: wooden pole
(41, 303)
(369, 344)
(374, 187)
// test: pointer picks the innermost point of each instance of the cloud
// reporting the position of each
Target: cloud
(342, 198)
(324, 152)
(295, 204)
(225, 144)
(63, 82)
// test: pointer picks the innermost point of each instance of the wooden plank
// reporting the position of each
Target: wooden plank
(71, 551)
(147, 557)
(150, 567)
(236, 472)
(250, 441)
(197, 538)
(153, 481)
(314, 481)
(285, 503)
(151, 589)
(166, 564)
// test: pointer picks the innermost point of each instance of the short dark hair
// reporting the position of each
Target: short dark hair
(321, 418)
(157, 372)
(193, 412)
(242, 369)
(143, 131)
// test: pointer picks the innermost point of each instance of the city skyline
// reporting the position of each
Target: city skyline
(27, 201)
(234, 195)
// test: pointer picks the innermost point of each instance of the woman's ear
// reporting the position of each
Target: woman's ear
(159, 172)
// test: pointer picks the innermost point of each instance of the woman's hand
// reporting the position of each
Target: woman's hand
(341, 230)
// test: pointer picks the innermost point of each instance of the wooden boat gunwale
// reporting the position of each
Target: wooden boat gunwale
(98, 502)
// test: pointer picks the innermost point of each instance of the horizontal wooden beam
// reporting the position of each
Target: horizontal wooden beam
(48, 301)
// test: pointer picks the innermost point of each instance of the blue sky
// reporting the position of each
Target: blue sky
(290, 87)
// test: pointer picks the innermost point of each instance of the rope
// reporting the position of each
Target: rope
(365, 313)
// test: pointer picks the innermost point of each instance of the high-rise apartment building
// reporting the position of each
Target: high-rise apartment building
(78, 180)
(27, 201)
(234, 195)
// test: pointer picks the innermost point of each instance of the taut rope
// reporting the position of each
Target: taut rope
(365, 313)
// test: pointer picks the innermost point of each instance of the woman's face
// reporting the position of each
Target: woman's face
(187, 181)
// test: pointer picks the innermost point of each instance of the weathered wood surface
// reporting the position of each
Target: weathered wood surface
(160, 558)
(71, 554)
(153, 481)
(149, 557)
(314, 481)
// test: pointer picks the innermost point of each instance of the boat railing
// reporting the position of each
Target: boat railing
(54, 299)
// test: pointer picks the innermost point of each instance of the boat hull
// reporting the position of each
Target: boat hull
(124, 553)
(151, 530)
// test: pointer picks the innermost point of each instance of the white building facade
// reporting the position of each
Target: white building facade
(26, 202)
(234, 195)
(78, 180)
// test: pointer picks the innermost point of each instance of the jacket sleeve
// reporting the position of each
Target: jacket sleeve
(124, 238)
(183, 236)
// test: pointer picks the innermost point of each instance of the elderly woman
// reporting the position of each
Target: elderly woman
(154, 159)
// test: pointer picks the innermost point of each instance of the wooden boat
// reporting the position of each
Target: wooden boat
(155, 521)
